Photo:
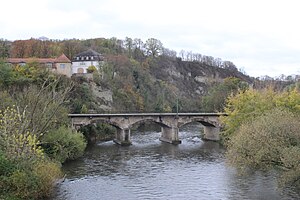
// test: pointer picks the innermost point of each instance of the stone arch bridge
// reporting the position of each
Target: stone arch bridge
(169, 122)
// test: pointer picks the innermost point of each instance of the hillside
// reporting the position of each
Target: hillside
(137, 76)
(153, 86)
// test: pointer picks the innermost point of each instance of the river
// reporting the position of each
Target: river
(150, 169)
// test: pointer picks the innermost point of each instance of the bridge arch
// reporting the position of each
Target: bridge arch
(139, 122)
(109, 122)
(201, 120)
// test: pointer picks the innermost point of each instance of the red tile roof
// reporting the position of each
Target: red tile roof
(26, 60)
(62, 59)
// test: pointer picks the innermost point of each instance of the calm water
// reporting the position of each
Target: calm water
(150, 169)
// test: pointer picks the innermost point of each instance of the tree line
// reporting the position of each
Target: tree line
(133, 48)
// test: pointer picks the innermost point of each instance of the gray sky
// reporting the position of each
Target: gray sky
(260, 36)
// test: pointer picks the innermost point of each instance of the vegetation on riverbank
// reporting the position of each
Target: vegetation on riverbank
(262, 131)
(33, 109)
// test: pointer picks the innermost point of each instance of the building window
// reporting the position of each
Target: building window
(82, 58)
(92, 57)
(87, 58)
(49, 65)
(77, 58)
(62, 66)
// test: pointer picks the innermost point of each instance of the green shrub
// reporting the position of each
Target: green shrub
(269, 141)
(47, 174)
(6, 166)
(98, 132)
(23, 184)
(6, 169)
(91, 69)
(64, 144)
(35, 182)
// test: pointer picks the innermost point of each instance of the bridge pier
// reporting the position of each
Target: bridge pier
(170, 135)
(123, 137)
(211, 133)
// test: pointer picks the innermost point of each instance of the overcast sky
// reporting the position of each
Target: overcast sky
(260, 36)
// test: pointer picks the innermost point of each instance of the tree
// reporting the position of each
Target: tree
(169, 53)
(247, 105)
(153, 47)
(15, 138)
(215, 100)
(229, 65)
(4, 48)
(269, 141)
(71, 47)
(128, 43)
(182, 54)
(7, 75)
(138, 49)
(18, 49)
(44, 104)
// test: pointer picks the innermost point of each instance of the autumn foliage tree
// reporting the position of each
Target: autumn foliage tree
(262, 131)
(269, 141)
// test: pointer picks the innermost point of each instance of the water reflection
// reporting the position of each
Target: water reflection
(150, 169)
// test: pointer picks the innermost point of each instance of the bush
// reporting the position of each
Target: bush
(91, 69)
(270, 141)
(47, 174)
(247, 106)
(23, 184)
(64, 144)
(6, 166)
(33, 183)
(100, 131)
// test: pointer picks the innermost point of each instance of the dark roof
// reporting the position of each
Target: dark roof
(96, 56)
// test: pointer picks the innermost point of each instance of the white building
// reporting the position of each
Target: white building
(85, 59)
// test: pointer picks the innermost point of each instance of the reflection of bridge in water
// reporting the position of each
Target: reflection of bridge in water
(169, 122)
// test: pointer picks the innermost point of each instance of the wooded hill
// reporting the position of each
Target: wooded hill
(141, 76)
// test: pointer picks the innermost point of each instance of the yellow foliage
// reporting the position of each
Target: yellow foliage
(16, 142)
(246, 106)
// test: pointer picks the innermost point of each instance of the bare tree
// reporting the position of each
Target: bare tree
(182, 54)
(169, 53)
(44, 105)
(153, 47)
(138, 48)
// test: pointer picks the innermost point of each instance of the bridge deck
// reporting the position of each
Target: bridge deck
(146, 114)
